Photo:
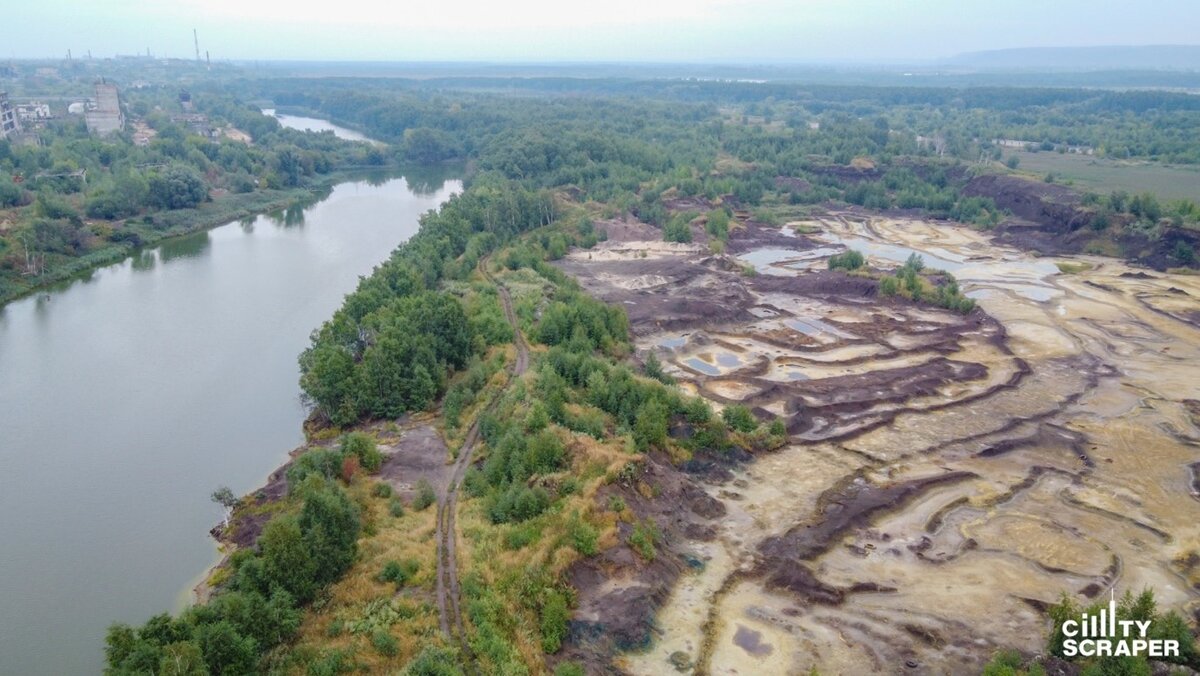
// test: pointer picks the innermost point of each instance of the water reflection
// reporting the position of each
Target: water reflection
(187, 246)
(143, 260)
(429, 180)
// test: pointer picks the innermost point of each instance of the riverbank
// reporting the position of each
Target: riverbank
(162, 227)
(179, 369)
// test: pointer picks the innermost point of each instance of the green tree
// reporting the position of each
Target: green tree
(225, 650)
(286, 558)
(182, 659)
(330, 524)
(717, 225)
(678, 228)
(650, 430)
(177, 187)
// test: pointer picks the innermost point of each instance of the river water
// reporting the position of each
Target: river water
(317, 125)
(126, 398)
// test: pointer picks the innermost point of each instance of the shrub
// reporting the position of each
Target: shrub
(1184, 253)
(777, 428)
(363, 447)
(583, 535)
(330, 664)
(889, 286)
(382, 490)
(739, 418)
(653, 369)
(717, 225)
(385, 643)
(850, 260)
(349, 467)
(644, 538)
(399, 573)
(522, 535)
(518, 503)
(321, 462)
(433, 661)
(425, 495)
(554, 616)
(678, 229)
(396, 508)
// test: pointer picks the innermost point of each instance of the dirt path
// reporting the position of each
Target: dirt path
(448, 592)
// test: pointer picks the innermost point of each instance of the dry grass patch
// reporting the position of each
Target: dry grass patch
(348, 615)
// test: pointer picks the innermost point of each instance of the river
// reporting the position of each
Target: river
(315, 124)
(129, 396)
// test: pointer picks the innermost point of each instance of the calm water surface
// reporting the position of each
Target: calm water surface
(126, 398)
(318, 125)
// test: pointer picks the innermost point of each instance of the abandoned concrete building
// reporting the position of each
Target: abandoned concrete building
(9, 125)
(105, 116)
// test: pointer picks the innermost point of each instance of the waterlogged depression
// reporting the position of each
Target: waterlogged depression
(949, 475)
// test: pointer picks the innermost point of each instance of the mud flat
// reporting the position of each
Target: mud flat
(948, 474)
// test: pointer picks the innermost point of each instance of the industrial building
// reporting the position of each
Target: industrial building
(105, 116)
(9, 125)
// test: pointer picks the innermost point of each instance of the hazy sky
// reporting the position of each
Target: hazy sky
(603, 30)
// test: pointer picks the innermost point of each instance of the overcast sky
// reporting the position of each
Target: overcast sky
(760, 31)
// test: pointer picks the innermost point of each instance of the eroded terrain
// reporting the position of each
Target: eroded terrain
(948, 474)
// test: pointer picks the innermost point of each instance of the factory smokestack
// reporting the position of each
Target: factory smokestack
(196, 37)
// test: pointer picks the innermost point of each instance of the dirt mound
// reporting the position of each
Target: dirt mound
(618, 591)
(850, 173)
(1052, 219)
(1052, 206)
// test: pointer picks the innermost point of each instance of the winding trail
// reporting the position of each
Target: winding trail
(448, 591)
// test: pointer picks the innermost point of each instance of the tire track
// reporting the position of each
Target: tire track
(448, 590)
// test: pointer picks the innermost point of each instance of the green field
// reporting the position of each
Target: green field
(1168, 182)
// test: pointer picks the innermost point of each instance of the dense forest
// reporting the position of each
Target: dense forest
(72, 201)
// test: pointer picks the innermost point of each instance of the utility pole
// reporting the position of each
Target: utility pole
(196, 37)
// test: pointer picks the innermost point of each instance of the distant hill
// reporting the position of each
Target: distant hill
(1142, 57)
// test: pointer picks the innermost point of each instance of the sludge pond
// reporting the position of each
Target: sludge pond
(948, 474)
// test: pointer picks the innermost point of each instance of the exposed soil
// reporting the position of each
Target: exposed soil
(619, 592)
(1051, 219)
(420, 453)
(947, 470)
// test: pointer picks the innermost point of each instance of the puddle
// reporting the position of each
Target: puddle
(767, 260)
(814, 327)
(673, 342)
(702, 366)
